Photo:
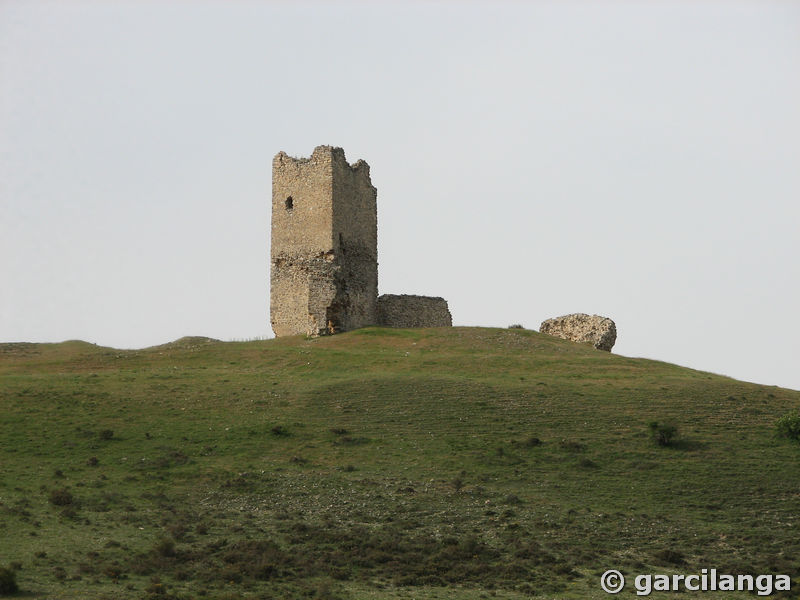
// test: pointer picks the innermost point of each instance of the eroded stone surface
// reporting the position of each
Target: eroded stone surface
(324, 257)
(599, 331)
(405, 310)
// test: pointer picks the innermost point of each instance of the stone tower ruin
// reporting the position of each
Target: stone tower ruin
(324, 255)
(324, 276)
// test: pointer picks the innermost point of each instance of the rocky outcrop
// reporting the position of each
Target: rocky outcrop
(405, 310)
(600, 332)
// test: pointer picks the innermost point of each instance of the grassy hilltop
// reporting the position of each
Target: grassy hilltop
(457, 463)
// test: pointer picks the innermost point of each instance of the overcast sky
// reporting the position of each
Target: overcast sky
(638, 160)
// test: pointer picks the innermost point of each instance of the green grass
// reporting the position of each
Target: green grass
(433, 463)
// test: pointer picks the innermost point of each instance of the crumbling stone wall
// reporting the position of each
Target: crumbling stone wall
(600, 332)
(413, 311)
(324, 254)
(355, 227)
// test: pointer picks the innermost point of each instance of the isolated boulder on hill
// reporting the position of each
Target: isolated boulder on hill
(599, 331)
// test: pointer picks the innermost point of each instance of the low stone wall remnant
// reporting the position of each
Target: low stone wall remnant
(600, 332)
(404, 310)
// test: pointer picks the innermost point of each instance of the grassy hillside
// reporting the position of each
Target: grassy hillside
(449, 463)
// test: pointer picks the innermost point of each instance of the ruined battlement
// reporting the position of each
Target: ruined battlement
(320, 203)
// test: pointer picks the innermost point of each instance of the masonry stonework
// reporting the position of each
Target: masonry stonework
(324, 257)
(324, 251)
(413, 311)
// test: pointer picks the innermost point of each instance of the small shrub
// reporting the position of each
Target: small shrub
(156, 588)
(347, 440)
(662, 433)
(789, 426)
(164, 547)
(61, 497)
(325, 591)
(178, 530)
(532, 442)
(106, 434)
(457, 484)
(279, 430)
(339, 431)
(113, 571)
(516, 326)
(571, 446)
(8, 581)
(92, 461)
(669, 557)
(69, 512)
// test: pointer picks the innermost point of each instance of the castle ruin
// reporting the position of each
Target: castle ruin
(324, 254)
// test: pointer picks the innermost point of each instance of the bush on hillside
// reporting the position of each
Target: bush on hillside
(8, 581)
(61, 497)
(789, 426)
(663, 434)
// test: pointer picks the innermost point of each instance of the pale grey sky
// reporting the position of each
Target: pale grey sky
(637, 160)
